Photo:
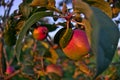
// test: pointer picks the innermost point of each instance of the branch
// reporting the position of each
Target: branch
(13, 74)
(10, 6)
(1, 54)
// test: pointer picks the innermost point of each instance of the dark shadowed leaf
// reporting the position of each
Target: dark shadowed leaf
(105, 37)
(33, 19)
(65, 37)
(51, 27)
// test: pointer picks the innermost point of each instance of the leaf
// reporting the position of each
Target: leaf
(105, 37)
(64, 8)
(51, 6)
(50, 27)
(64, 40)
(88, 29)
(25, 10)
(41, 3)
(54, 56)
(28, 43)
(19, 26)
(84, 68)
(58, 35)
(34, 18)
(51, 3)
(53, 76)
(10, 31)
(9, 52)
(81, 7)
(103, 5)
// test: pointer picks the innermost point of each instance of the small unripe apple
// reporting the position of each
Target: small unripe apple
(10, 70)
(78, 45)
(53, 68)
(40, 33)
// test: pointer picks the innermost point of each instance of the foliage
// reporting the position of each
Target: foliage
(30, 57)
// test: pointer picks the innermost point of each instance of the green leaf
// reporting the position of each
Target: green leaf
(9, 52)
(101, 4)
(41, 3)
(105, 37)
(64, 40)
(51, 27)
(81, 7)
(34, 18)
(58, 35)
(25, 10)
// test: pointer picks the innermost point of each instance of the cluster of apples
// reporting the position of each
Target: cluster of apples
(77, 47)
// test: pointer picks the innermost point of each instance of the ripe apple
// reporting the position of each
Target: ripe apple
(78, 45)
(53, 68)
(10, 70)
(40, 33)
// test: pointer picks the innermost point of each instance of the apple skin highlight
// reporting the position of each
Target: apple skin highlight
(40, 33)
(10, 70)
(78, 45)
(53, 68)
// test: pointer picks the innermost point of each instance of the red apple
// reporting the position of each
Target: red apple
(53, 68)
(78, 45)
(40, 33)
(10, 70)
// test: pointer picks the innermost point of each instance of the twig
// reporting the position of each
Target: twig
(1, 57)
(8, 12)
(1, 54)
(13, 74)
(5, 55)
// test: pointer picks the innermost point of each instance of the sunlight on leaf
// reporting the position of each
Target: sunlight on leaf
(54, 56)
(88, 29)
(103, 5)
(45, 44)
(82, 7)
(28, 43)
(41, 3)
(84, 68)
